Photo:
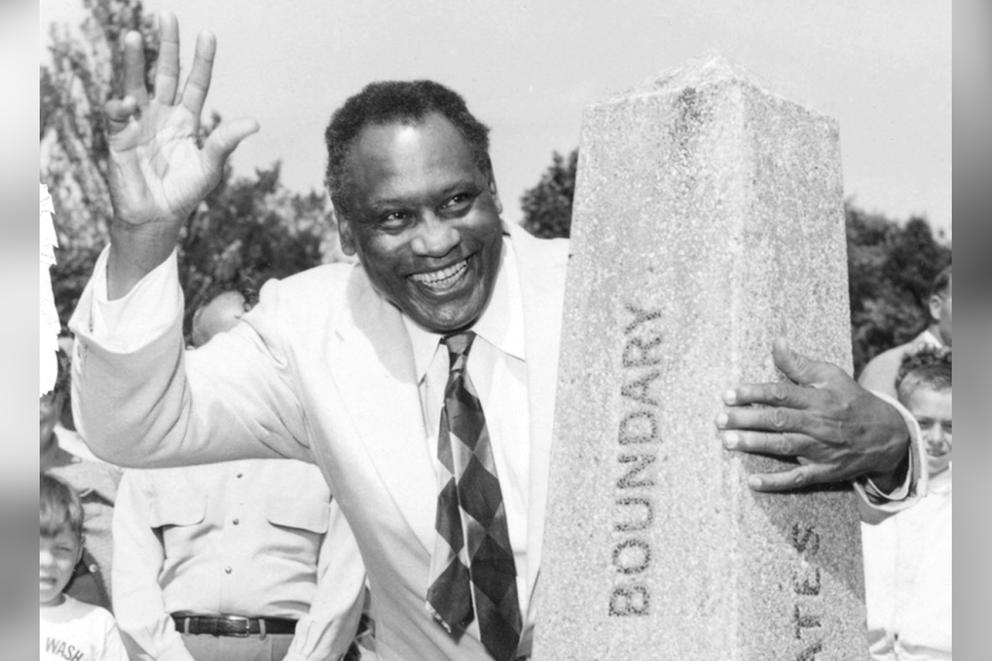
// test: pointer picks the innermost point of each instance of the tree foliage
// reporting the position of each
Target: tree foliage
(76, 79)
(890, 264)
(247, 230)
(890, 269)
(240, 237)
(547, 207)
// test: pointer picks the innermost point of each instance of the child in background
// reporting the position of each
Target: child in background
(70, 629)
(908, 554)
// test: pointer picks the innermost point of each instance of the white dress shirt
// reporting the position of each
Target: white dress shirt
(497, 367)
(254, 537)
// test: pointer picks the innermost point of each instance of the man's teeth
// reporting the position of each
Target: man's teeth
(441, 276)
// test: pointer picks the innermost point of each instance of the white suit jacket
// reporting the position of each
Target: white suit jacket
(323, 371)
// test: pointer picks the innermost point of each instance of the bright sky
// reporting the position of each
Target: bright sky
(882, 68)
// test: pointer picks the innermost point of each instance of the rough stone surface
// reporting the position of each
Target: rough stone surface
(707, 220)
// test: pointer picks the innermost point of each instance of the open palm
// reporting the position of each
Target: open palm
(158, 171)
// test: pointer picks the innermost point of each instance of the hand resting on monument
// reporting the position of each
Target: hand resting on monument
(834, 428)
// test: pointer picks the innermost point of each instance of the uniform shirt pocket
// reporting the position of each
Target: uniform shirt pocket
(294, 512)
(169, 510)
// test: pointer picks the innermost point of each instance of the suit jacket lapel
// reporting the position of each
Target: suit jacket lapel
(542, 283)
(373, 362)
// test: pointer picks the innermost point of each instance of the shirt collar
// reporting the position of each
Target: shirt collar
(929, 339)
(501, 323)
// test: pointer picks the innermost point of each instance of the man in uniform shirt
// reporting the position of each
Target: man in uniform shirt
(235, 560)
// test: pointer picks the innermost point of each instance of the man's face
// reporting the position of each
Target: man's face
(57, 558)
(424, 221)
(932, 409)
(940, 310)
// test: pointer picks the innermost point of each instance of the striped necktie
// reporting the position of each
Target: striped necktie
(472, 569)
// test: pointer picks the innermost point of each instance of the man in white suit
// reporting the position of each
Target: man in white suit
(345, 365)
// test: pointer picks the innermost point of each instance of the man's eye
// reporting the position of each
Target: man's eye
(947, 427)
(458, 202)
(394, 219)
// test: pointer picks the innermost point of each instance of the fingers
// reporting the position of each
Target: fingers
(225, 138)
(779, 445)
(198, 83)
(797, 367)
(768, 418)
(119, 113)
(167, 66)
(800, 476)
(770, 394)
(134, 68)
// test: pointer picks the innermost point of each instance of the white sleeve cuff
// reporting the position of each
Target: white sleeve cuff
(916, 483)
(147, 311)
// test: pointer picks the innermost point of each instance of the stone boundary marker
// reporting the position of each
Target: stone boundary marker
(707, 220)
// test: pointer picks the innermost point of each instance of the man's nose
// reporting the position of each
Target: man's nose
(435, 237)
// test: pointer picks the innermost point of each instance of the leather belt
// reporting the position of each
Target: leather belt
(237, 626)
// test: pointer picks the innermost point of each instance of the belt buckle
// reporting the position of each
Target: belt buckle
(239, 619)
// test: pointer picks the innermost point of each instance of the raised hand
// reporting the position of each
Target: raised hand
(158, 172)
(836, 429)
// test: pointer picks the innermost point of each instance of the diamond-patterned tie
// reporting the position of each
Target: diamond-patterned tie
(472, 555)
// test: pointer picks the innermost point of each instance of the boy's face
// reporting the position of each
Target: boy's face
(58, 555)
(932, 409)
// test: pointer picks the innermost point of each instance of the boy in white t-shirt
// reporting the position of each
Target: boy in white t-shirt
(70, 629)
(908, 554)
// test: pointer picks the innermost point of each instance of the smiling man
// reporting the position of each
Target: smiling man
(418, 201)
(421, 380)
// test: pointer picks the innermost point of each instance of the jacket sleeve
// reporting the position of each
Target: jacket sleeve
(113, 646)
(328, 629)
(140, 399)
(916, 483)
(139, 606)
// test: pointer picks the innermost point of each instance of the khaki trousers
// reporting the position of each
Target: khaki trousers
(204, 647)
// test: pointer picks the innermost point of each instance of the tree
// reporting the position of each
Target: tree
(76, 79)
(246, 231)
(547, 206)
(890, 268)
(890, 265)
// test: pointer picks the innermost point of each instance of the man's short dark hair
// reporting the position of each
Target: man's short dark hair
(387, 102)
(929, 367)
(941, 282)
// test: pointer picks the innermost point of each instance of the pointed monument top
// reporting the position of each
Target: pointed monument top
(712, 68)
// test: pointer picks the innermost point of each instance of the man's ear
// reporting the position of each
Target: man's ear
(935, 307)
(493, 193)
(344, 232)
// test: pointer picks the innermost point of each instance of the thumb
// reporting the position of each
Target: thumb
(799, 368)
(225, 138)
